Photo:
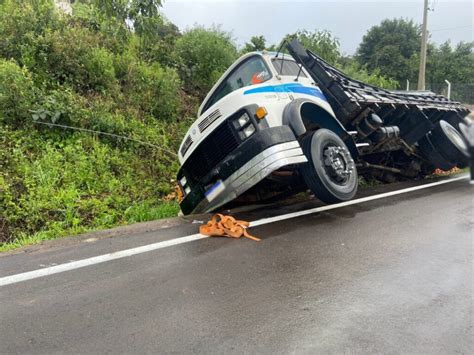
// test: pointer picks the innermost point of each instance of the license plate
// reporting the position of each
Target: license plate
(214, 190)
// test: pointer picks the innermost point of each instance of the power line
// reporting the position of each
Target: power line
(106, 134)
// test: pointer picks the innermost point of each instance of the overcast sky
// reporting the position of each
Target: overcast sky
(348, 20)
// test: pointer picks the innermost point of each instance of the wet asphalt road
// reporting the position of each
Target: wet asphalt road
(388, 276)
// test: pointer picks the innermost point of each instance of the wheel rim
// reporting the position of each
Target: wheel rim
(455, 138)
(337, 163)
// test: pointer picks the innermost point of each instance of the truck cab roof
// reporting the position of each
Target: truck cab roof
(252, 68)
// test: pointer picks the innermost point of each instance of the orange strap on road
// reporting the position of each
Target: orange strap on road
(226, 226)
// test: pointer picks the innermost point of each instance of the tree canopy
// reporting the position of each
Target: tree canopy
(321, 42)
(205, 53)
(392, 47)
(257, 43)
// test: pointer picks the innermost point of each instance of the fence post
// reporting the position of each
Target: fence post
(449, 88)
(408, 85)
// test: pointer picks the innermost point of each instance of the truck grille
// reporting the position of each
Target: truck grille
(187, 143)
(206, 122)
(213, 149)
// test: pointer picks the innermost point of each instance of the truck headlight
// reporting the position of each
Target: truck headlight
(185, 189)
(242, 120)
(244, 125)
(248, 131)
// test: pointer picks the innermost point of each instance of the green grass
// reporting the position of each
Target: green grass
(134, 214)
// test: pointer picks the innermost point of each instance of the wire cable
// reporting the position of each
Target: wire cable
(106, 134)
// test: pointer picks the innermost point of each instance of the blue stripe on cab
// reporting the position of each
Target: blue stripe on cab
(288, 88)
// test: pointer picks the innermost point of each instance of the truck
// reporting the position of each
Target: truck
(279, 123)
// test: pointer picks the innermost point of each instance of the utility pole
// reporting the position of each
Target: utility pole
(424, 39)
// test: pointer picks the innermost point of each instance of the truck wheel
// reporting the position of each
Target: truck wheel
(330, 172)
(449, 143)
(432, 155)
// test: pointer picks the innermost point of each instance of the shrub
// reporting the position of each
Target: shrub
(75, 57)
(154, 89)
(17, 93)
(375, 78)
(22, 23)
(99, 63)
(204, 54)
(67, 53)
(59, 102)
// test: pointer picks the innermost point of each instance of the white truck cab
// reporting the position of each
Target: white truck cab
(240, 136)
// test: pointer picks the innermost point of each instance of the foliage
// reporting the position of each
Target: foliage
(148, 211)
(159, 45)
(82, 71)
(205, 53)
(65, 183)
(322, 43)
(21, 24)
(257, 43)
(153, 89)
(17, 93)
(455, 64)
(353, 70)
(393, 47)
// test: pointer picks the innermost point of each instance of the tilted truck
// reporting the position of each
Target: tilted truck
(278, 123)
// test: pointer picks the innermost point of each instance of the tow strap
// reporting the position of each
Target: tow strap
(226, 226)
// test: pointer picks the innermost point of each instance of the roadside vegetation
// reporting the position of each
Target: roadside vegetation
(129, 83)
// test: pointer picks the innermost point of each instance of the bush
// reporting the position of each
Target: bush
(203, 55)
(99, 63)
(59, 102)
(17, 93)
(153, 89)
(375, 78)
(75, 57)
(22, 24)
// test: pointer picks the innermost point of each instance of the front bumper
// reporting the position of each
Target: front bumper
(266, 151)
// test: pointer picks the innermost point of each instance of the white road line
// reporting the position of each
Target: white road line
(30, 275)
(352, 202)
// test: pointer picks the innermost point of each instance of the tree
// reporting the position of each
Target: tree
(142, 15)
(393, 47)
(323, 43)
(156, 35)
(257, 43)
(203, 55)
(453, 64)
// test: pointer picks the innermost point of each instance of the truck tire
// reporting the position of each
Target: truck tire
(449, 143)
(330, 172)
(432, 155)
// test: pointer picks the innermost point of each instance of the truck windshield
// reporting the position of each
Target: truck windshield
(250, 72)
(289, 67)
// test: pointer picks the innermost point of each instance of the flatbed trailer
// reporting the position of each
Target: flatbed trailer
(413, 111)
(413, 115)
